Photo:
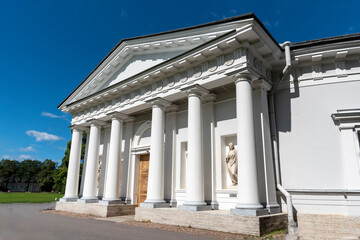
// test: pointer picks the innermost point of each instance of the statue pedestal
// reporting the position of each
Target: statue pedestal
(232, 187)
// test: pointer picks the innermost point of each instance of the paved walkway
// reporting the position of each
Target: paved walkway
(27, 221)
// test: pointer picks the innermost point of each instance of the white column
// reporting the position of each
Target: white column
(112, 187)
(195, 163)
(210, 101)
(172, 115)
(127, 162)
(84, 162)
(72, 180)
(90, 184)
(248, 195)
(155, 190)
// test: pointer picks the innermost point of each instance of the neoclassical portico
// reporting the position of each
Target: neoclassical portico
(172, 152)
(248, 203)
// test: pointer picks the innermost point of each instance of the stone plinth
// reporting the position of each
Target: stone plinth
(321, 226)
(217, 220)
(96, 209)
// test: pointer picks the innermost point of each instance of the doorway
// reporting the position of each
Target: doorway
(143, 178)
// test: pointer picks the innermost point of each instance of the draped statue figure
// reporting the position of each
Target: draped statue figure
(98, 174)
(231, 164)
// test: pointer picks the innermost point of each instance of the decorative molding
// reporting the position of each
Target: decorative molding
(347, 118)
(195, 89)
(317, 72)
(118, 115)
(226, 62)
(158, 102)
(79, 128)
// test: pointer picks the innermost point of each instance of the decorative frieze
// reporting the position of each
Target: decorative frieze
(192, 74)
(317, 72)
(340, 69)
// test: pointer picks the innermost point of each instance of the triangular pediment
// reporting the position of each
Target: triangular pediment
(132, 60)
(138, 57)
(129, 66)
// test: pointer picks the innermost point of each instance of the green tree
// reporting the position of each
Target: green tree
(7, 170)
(27, 171)
(46, 175)
(61, 173)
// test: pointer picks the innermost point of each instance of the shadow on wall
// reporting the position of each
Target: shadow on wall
(283, 103)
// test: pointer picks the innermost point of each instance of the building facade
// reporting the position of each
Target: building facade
(163, 111)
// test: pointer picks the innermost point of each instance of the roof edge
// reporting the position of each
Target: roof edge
(323, 41)
(226, 20)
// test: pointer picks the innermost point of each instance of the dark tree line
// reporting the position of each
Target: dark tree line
(27, 172)
(47, 174)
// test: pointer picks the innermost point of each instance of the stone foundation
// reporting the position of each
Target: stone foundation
(96, 209)
(217, 220)
(321, 226)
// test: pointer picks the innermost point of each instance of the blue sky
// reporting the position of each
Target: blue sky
(48, 47)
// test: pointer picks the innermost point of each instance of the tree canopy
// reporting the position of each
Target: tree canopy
(47, 174)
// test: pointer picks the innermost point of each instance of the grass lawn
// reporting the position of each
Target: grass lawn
(27, 197)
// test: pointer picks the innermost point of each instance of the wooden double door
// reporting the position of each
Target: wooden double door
(143, 178)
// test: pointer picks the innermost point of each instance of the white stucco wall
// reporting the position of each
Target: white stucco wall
(309, 141)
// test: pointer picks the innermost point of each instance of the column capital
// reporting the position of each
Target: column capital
(158, 102)
(118, 116)
(209, 98)
(195, 89)
(79, 128)
(172, 108)
(97, 122)
(261, 84)
(241, 77)
(130, 120)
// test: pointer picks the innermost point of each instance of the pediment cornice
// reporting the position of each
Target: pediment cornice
(190, 39)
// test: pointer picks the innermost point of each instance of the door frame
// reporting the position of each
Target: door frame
(139, 175)
(134, 166)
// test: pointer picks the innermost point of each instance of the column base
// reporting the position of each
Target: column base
(92, 200)
(249, 212)
(273, 208)
(214, 205)
(173, 203)
(150, 204)
(128, 200)
(111, 202)
(70, 199)
(195, 206)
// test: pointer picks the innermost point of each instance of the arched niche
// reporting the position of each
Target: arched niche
(142, 136)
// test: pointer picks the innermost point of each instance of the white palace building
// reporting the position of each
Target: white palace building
(161, 111)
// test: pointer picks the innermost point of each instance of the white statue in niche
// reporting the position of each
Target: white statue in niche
(98, 174)
(231, 164)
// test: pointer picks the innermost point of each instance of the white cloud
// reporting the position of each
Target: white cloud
(28, 149)
(43, 136)
(47, 114)
(6, 157)
(24, 156)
